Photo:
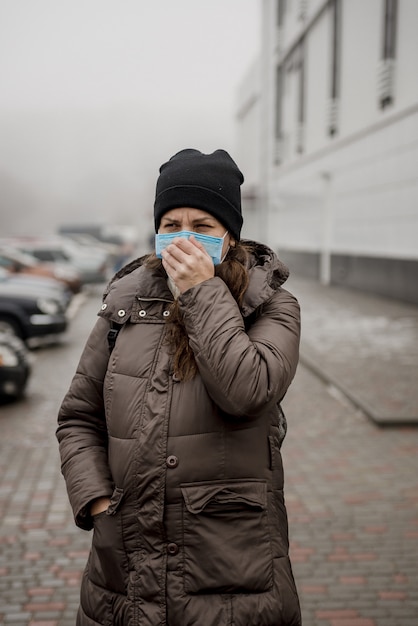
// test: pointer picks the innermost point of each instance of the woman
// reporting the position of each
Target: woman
(171, 430)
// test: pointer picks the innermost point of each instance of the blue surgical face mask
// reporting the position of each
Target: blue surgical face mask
(212, 245)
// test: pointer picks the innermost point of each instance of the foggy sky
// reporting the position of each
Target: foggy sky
(96, 94)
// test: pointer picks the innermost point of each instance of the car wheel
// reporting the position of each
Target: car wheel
(10, 326)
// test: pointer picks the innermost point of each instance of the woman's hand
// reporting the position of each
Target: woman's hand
(187, 263)
(99, 505)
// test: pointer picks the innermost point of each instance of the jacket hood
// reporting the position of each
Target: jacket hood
(266, 275)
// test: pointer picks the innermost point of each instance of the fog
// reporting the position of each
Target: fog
(96, 94)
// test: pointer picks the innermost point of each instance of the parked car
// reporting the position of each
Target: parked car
(88, 242)
(17, 262)
(38, 285)
(28, 314)
(120, 241)
(92, 263)
(15, 367)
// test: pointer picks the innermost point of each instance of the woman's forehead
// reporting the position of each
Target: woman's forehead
(187, 213)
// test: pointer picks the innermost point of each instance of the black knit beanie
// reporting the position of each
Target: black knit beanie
(210, 182)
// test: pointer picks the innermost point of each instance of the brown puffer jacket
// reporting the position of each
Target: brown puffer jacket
(196, 533)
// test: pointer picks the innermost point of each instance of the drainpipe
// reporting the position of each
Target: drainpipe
(326, 228)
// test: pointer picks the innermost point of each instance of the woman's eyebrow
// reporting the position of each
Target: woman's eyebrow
(170, 220)
(198, 220)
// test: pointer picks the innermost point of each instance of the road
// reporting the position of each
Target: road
(351, 493)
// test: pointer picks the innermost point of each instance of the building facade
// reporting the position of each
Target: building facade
(328, 137)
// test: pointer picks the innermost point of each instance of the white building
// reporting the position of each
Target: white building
(328, 140)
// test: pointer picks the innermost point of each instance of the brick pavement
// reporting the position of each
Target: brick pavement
(352, 497)
(42, 553)
(351, 493)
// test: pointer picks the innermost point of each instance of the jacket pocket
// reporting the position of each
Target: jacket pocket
(225, 537)
(108, 564)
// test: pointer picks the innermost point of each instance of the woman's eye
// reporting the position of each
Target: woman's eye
(203, 227)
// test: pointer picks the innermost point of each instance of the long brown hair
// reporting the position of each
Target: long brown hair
(234, 272)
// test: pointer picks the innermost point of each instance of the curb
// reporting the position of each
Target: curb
(384, 421)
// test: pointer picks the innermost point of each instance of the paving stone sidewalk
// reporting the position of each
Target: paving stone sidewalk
(351, 490)
(365, 345)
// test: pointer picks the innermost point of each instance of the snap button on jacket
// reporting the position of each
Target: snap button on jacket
(196, 533)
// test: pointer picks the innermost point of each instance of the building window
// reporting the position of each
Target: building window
(278, 157)
(389, 29)
(300, 68)
(387, 65)
(281, 11)
(335, 67)
(290, 103)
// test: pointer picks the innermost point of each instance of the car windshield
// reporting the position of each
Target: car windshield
(52, 254)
